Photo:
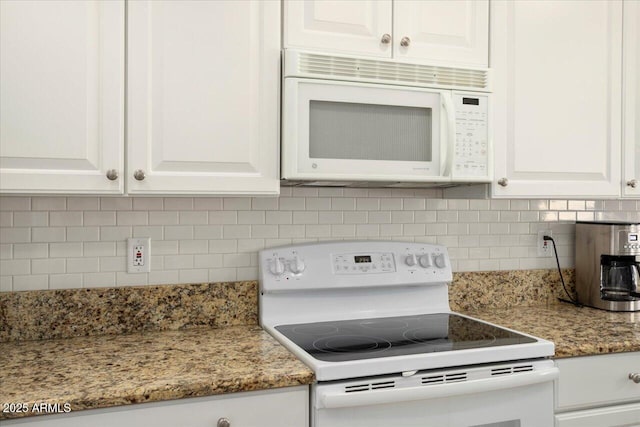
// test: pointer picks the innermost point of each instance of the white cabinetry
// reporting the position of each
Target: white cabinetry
(61, 96)
(437, 32)
(557, 69)
(596, 391)
(203, 87)
(202, 97)
(284, 407)
(631, 99)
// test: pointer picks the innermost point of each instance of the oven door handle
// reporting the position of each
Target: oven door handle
(331, 399)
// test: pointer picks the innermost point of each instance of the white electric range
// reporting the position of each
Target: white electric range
(372, 319)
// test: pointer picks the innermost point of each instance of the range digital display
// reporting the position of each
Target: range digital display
(471, 101)
(362, 258)
(633, 237)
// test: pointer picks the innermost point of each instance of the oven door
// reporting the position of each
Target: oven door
(355, 131)
(500, 396)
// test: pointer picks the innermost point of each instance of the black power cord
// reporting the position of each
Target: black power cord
(555, 251)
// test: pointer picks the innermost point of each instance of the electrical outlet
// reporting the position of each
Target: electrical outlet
(545, 247)
(139, 255)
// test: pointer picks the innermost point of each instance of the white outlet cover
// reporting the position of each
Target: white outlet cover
(544, 250)
(139, 255)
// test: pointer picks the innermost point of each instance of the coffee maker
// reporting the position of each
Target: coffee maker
(608, 265)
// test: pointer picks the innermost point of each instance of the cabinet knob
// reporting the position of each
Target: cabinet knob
(139, 175)
(112, 174)
(503, 182)
(635, 377)
(405, 42)
(386, 39)
(633, 183)
(223, 422)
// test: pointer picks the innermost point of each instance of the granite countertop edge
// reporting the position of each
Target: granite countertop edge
(575, 331)
(160, 366)
(106, 371)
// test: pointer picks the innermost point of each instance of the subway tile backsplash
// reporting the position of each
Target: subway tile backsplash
(74, 242)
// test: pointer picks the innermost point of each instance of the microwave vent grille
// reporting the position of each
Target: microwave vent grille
(389, 72)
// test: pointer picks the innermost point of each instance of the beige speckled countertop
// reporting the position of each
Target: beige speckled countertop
(574, 331)
(95, 348)
(101, 371)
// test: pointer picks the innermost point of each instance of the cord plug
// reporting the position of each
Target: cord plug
(547, 238)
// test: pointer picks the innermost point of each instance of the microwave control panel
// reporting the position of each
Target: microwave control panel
(471, 148)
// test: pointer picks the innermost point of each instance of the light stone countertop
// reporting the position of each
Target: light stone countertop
(111, 370)
(575, 331)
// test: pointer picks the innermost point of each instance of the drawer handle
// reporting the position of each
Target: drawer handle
(223, 422)
(635, 377)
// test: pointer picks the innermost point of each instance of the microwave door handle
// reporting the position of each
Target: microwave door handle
(446, 145)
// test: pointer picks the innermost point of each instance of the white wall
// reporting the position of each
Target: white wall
(71, 242)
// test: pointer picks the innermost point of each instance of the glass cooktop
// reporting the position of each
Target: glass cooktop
(344, 340)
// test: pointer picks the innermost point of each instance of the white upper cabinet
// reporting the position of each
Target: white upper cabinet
(442, 31)
(203, 88)
(61, 96)
(631, 99)
(437, 32)
(557, 73)
(360, 27)
(202, 97)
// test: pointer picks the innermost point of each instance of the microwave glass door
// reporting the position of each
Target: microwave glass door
(341, 131)
(349, 130)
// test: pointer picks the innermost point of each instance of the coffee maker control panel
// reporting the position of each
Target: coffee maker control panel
(629, 242)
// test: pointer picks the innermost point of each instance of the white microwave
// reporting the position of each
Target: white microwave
(359, 124)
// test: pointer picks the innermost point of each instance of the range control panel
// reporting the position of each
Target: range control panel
(363, 263)
(471, 149)
(353, 264)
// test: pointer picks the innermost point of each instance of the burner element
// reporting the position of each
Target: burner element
(351, 344)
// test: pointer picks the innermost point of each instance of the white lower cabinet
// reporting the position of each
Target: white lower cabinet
(596, 391)
(284, 407)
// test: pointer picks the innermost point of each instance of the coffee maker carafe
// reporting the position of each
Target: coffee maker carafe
(608, 265)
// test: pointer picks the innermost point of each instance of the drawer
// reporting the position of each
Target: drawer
(610, 416)
(596, 381)
(284, 407)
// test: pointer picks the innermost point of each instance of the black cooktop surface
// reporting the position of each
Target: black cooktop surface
(344, 340)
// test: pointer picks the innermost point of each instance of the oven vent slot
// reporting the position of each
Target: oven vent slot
(511, 370)
(386, 384)
(457, 377)
(443, 379)
(369, 386)
(501, 371)
(435, 379)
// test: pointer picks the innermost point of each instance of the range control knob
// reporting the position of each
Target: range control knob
(440, 260)
(297, 265)
(425, 261)
(411, 260)
(276, 267)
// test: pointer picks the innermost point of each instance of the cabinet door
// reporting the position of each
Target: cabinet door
(631, 94)
(557, 98)
(203, 87)
(347, 26)
(283, 407)
(442, 31)
(61, 96)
